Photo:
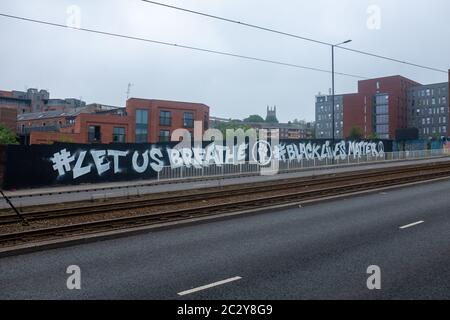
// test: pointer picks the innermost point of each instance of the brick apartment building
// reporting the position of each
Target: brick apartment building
(142, 121)
(154, 120)
(383, 105)
(74, 127)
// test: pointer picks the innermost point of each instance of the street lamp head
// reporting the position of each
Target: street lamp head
(341, 43)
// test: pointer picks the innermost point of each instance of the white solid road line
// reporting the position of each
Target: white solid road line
(412, 224)
(215, 284)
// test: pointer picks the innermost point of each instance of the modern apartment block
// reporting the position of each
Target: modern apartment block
(429, 110)
(382, 106)
(386, 103)
(324, 116)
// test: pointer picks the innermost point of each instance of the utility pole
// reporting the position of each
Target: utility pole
(129, 90)
(332, 94)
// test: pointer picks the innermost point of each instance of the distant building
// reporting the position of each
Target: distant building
(271, 115)
(34, 100)
(287, 131)
(142, 121)
(21, 105)
(8, 117)
(324, 121)
(98, 107)
(63, 104)
(383, 105)
(428, 107)
(37, 99)
(290, 131)
(379, 108)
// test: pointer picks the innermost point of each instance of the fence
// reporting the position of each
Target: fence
(244, 169)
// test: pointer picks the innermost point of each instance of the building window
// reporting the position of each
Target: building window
(188, 120)
(382, 116)
(165, 118)
(119, 135)
(141, 126)
(94, 134)
(164, 135)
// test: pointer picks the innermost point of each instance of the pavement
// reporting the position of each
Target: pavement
(317, 252)
(52, 195)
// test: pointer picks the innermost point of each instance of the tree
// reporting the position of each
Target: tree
(255, 118)
(372, 136)
(436, 137)
(224, 126)
(355, 133)
(7, 136)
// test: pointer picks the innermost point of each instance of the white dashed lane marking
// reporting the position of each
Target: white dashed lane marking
(412, 225)
(215, 284)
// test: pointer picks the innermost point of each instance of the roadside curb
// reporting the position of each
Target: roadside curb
(150, 183)
(116, 234)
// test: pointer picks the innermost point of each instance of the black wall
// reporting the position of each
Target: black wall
(31, 166)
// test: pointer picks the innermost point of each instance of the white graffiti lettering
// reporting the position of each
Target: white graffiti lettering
(155, 158)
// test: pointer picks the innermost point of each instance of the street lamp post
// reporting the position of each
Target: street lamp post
(332, 93)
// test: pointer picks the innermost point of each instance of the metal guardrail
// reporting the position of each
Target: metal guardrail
(168, 173)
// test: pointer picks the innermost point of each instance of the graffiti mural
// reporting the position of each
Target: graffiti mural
(34, 166)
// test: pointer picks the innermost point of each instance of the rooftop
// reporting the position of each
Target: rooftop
(48, 115)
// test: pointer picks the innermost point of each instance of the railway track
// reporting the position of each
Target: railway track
(173, 198)
(323, 188)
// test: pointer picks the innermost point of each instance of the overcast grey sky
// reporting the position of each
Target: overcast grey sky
(71, 63)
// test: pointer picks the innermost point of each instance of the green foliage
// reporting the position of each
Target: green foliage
(224, 126)
(255, 118)
(7, 136)
(65, 139)
(436, 137)
(355, 133)
(372, 136)
(272, 119)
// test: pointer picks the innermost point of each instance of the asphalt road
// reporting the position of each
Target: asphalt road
(317, 252)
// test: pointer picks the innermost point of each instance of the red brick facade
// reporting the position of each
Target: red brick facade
(176, 109)
(8, 117)
(359, 107)
(76, 128)
(78, 131)
(357, 114)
